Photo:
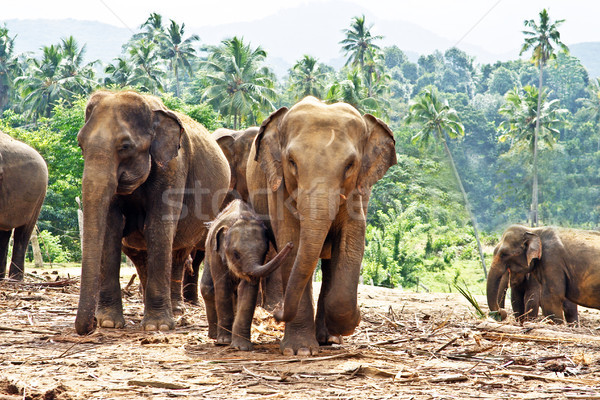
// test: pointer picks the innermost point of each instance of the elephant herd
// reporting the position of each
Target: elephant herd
(262, 207)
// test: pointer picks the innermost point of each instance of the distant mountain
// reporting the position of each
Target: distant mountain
(103, 41)
(589, 54)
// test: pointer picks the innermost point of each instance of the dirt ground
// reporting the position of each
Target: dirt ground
(408, 346)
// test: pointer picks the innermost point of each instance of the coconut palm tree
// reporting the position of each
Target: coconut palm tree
(119, 73)
(177, 51)
(436, 119)
(72, 66)
(540, 38)
(147, 74)
(307, 78)
(239, 86)
(9, 67)
(591, 104)
(359, 42)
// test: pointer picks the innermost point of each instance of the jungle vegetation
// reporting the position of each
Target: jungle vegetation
(512, 134)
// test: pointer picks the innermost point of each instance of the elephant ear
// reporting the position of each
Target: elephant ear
(219, 240)
(534, 247)
(268, 148)
(379, 154)
(166, 141)
(225, 142)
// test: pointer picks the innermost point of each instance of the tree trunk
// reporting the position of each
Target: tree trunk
(534, 195)
(37, 252)
(467, 205)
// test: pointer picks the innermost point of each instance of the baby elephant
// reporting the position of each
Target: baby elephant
(236, 248)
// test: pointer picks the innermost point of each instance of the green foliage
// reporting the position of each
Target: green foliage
(202, 113)
(52, 249)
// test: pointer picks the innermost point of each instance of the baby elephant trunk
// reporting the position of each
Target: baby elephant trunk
(264, 270)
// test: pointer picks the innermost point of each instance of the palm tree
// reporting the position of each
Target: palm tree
(147, 74)
(8, 66)
(153, 29)
(119, 73)
(436, 118)
(239, 86)
(522, 122)
(177, 51)
(591, 104)
(83, 79)
(540, 38)
(358, 43)
(307, 78)
(353, 91)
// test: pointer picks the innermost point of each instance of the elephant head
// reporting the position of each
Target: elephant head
(125, 136)
(321, 156)
(516, 253)
(243, 247)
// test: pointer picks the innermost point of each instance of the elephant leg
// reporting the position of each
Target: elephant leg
(552, 306)
(323, 336)
(179, 259)
(570, 310)
(190, 278)
(517, 299)
(340, 303)
(20, 242)
(207, 289)
(299, 336)
(225, 306)
(242, 324)
(4, 239)
(109, 312)
(139, 258)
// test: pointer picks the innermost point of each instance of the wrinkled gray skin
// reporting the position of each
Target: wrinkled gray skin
(23, 183)
(152, 178)
(311, 169)
(564, 262)
(236, 247)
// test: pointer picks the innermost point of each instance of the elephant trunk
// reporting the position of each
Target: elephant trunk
(316, 218)
(98, 189)
(262, 271)
(494, 280)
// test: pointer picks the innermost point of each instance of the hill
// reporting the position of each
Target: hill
(589, 54)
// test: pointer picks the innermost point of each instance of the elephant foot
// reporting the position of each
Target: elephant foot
(242, 344)
(223, 339)
(190, 294)
(299, 344)
(212, 331)
(178, 307)
(109, 318)
(329, 339)
(162, 323)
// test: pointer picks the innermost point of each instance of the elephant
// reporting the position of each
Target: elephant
(236, 247)
(310, 173)
(152, 178)
(23, 184)
(565, 263)
(525, 297)
(236, 147)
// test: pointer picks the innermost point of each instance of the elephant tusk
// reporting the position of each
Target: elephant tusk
(343, 197)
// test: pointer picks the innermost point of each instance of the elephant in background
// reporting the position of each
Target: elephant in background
(236, 147)
(311, 169)
(236, 248)
(23, 184)
(565, 263)
(152, 178)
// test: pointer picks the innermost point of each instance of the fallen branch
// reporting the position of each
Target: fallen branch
(60, 283)
(287, 360)
(30, 330)
(496, 331)
(159, 384)
(547, 378)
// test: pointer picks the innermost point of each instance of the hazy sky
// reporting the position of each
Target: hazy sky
(485, 23)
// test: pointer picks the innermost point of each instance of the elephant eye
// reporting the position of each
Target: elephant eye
(236, 255)
(293, 164)
(348, 166)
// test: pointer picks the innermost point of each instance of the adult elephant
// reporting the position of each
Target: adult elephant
(236, 147)
(310, 171)
(564, 262)
(23, 184)
(152, 178)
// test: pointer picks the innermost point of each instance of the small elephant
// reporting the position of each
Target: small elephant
(236, 147)
(23, 184)
(310, 171)
(562, 265)
(236, 246)
(152, 178)
(525, 297)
